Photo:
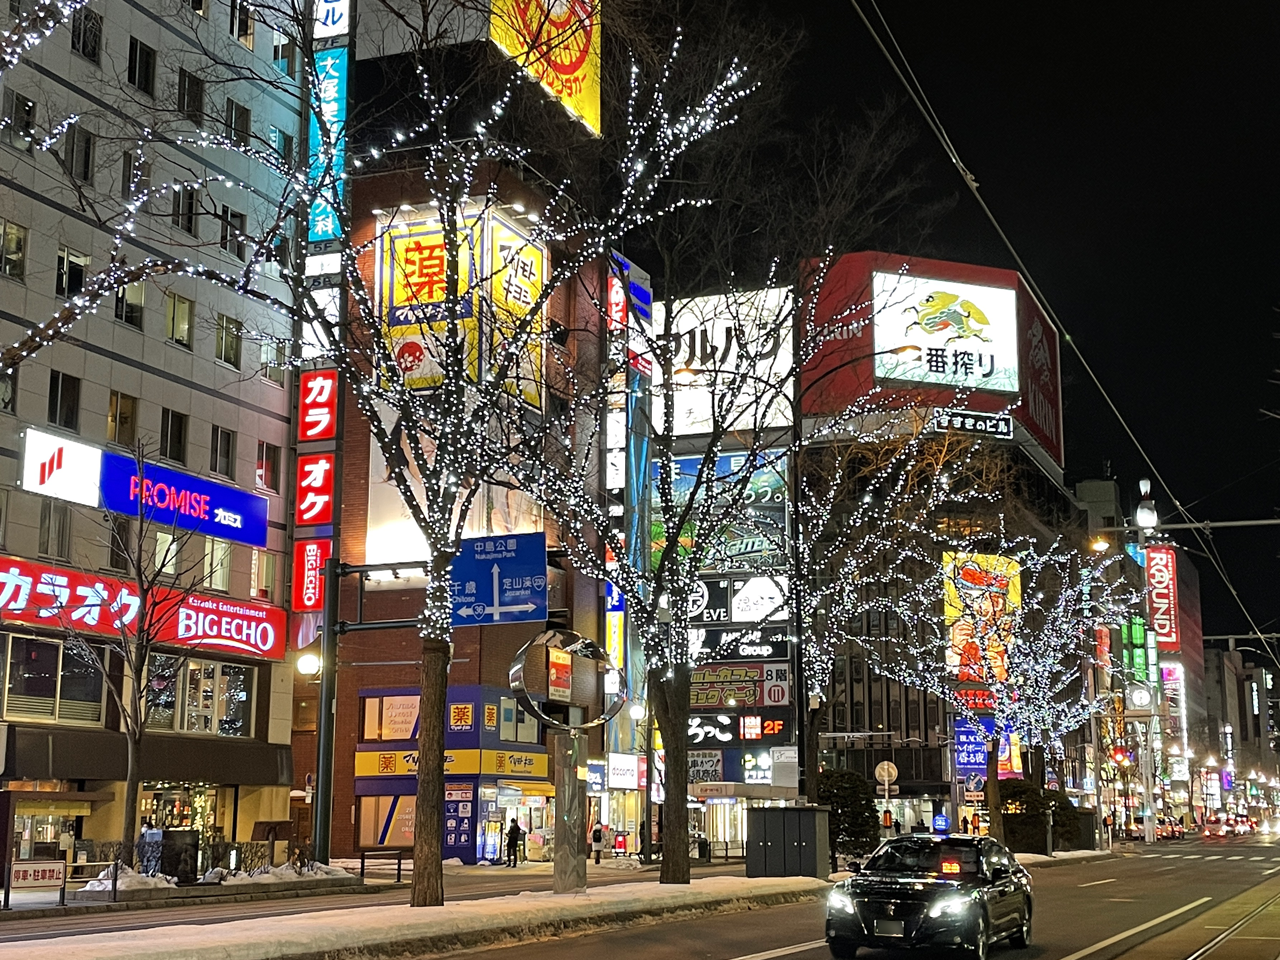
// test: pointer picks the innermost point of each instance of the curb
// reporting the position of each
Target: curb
(1102, 855)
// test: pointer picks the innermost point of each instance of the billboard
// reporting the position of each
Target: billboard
(517, 272)
(1162, 597)
(981, 594)
(1040, 411)
(556, 42)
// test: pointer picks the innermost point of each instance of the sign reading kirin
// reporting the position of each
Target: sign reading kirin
(1162, 595)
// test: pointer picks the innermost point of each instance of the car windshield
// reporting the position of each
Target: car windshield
(915, 857)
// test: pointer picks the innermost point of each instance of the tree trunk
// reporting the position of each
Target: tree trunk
(428, 814)
(1037, 765)
(995, 816)
(670, 699)
(811, 742)
(132, 787)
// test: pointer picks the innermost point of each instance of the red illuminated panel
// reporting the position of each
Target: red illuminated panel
(752, 728)
(1162, 595)
(950, 866)
(314, 503)
(318, 405)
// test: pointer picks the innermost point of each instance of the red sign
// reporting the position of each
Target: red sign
(976, 699)
(318, 405)
(1162, 597)
(313, 502)
(308, 573)
(45, 596)
(1040, 374)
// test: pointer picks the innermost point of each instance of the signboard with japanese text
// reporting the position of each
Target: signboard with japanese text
(404, 763)
(1162, 596)
(462, 717)
(491, 717)
(328, 156)
(1040, 368)
(506, 763)
(41, 595)
(500, 580)
(332, 18)
(37, 874)
(557, 42)
(518, 271)
(714, 685)
(559, 675)
(317, 405)
(313, 495)
(945, 332)
(971, 749)
(738, 643)
(981, 591)
(996, 425)
(596, 776)
(309, 557)
(767, 726)
(706, 766)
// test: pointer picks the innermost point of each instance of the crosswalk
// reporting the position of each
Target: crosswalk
(1200, 856)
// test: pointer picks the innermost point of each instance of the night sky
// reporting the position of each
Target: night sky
(1127, 149)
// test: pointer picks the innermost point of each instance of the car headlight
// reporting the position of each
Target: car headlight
(949, 906)
(838, 900)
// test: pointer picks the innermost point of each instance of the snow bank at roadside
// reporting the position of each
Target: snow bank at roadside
(129, 879)
(1034, 859)
(459, 923)
(282, 874)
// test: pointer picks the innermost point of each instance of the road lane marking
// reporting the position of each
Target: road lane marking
(1103, 944)
(1236, 857)
(1256, 858)
(1196, 856)
(1267, 873)
(1096, 882)
(784, 951)
(1216, 856)
(1120, 900)
(1148, 856)
(1173, 856)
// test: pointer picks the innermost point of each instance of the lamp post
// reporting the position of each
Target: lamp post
(640, 712)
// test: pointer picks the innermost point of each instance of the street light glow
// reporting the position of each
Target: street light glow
(309, 664)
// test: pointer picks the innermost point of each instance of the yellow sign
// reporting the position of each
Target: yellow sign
(557, 42)
(461, 717)
(507, 764)
(982, 593)
(404, 763)
(518, 271)
(412, 284)
(491, 716)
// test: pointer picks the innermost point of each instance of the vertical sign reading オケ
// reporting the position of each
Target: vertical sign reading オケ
(557, 42)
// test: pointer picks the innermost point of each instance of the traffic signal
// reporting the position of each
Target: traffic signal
(1121, 756)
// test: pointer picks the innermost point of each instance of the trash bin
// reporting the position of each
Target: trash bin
(704, 850)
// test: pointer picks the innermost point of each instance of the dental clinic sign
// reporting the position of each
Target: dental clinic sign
(69, 470)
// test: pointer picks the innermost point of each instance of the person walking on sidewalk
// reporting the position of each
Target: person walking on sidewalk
(513, 842)
(597, 839)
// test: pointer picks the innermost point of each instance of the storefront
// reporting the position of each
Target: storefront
(718, 814)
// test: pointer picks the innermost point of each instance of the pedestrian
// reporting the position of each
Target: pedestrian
(920, 826)
(513, 842)
(597, 839)
(977, 825)
(897, 827)
(964, 824)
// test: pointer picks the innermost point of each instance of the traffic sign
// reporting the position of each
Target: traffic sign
(886, 772)
(500, 580)
(892, 791)
(941, 823)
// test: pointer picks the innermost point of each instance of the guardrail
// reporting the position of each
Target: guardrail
(54, 874)
(397, 854)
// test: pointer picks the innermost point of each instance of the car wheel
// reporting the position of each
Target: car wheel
(842, 949)
(978, 949)
(1022, 936)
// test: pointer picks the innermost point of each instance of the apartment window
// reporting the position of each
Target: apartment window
(86, 34)
(200, 696)
(185, 210)
(8, 399)
(20, 112)
(129, 303)
(267, 476)
(173, 435)
(262, 572)
(273, 361)
(13, 258)
(120, 546)
(239, 121)
(55, 529)
(167, 549)
(142, 66)
(177, 319)
(191, 96)
(122, 419)
(135, 180)
(222, 452)
(47, 680)
(72, 269)
(78, 148)
(242, 22)
(284, 53)
(64, 400)
(233, 228)
(227, 343)
(200, 6)
(514, 724)
(217, 564)
(283, 144)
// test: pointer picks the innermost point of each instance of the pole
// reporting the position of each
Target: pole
(799, 690)
(1148, 760)
(322, 801)
(646, 835)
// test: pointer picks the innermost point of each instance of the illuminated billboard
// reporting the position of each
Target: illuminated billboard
(1162, 597)
(556, 42)
(982, 592)
(945, 332)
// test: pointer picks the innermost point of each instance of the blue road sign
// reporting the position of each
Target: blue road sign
(500, 580)
(941, 823)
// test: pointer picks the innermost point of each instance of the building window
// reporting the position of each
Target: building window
(4, 512)
(177, 319)
(79, 149)
(122, 419)
(233, 231)
(191, 96)
(142, 66)
(200, 696)
(20, 114)
(229, 335)
(239, 122)
(514, 725)
(305, 715)
(283, 144)
(217, 564)
(391, 719)
(86, 34)
(185, 211)
(267, 476)
(55, 529)
(262, 573)
(49, 681)
(242, 22)
(273, 356)
(284, 53)
(120, 545)
(129, 303)
(9, 391)
(222, 452)
(200, 6)
(64, 400)
(173, 435)
(167, 549)
(135, 180)
(72, 269)
(13, 259)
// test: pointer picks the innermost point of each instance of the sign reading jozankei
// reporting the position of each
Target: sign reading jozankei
(500, 579)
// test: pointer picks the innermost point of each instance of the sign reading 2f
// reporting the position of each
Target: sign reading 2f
(500, 579)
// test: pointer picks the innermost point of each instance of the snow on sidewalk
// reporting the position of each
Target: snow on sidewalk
(1036, 859)
(461, 923)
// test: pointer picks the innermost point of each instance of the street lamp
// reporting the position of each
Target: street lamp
(309, 664)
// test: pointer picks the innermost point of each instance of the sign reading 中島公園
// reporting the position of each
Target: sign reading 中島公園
(500, 579)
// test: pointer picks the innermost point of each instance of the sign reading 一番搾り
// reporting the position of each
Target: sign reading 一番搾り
(500, 579)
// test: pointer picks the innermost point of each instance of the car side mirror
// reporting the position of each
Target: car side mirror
(855, 867)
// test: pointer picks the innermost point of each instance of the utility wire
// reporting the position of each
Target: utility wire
(916, 91)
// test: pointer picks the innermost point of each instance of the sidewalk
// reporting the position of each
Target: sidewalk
(395, 931)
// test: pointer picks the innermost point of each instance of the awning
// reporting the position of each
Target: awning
(744, 791)
(535, 788)
(54, 808)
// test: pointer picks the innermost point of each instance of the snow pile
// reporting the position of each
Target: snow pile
(840, 875)
(457, 923)
(1035, 859)
(452, 862)
(620, 863)
(283, 874)
(129, 879)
